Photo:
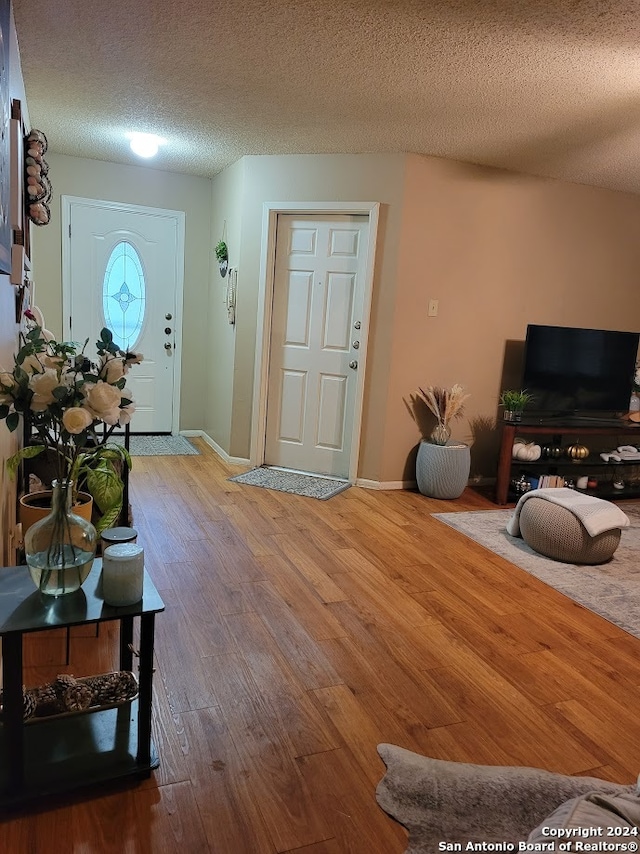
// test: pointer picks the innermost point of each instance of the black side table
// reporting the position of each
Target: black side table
(76, 750)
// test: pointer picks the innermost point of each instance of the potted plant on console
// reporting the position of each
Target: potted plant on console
(514, 403)
(442, 466)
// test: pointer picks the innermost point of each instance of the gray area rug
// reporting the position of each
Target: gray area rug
(311, 486)
(459, 803)
(611, 589)
(155, 446)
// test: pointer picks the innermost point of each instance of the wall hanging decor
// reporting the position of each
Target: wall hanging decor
(37, 184)
(222, 254)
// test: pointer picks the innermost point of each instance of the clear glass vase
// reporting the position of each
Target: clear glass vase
(440, 434)
(61, 547)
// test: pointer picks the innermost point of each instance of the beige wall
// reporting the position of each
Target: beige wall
(139, 185)
(498, 250)
(227, 198)
(9, 341)
(305, 178)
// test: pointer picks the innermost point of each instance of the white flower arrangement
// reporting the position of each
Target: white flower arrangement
(66, 398)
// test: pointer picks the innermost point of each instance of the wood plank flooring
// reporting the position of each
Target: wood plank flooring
(298, 634)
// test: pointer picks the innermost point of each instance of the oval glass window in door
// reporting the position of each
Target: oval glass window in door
(123, 295)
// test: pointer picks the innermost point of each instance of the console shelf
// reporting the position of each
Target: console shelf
(617, 434)
(70, 751)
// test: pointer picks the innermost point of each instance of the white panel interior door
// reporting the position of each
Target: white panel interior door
(152, 241)
(317, 308)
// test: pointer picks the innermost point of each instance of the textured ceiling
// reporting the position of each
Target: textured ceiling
(548, 87)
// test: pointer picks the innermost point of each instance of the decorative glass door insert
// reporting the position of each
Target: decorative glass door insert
(124, 295)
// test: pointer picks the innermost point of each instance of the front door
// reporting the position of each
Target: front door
(124, 271)
(318, 304)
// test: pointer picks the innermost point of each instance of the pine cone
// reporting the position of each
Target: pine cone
(112, 687)
(28, 703)
(73, 696)
(46, 700)
(76, 698)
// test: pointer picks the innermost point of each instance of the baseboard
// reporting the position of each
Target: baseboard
(385, 484)
(363, 482)
(234, 461)
(478, 480)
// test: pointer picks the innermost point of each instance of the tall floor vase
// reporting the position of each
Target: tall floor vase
(442, 471)
(61, 547)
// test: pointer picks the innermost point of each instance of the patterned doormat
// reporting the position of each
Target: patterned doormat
(155, 446)
(311, 486)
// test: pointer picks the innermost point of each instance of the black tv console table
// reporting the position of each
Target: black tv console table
(51, 756)
(621, 433)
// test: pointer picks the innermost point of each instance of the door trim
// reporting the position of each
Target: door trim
(270, 213)
(67, 203)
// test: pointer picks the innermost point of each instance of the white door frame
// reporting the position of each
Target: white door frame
(179, 216)
(270, 213)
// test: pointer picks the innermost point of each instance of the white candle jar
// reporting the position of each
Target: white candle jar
(122, 574)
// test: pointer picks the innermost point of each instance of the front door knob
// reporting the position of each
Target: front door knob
(353, 364)
(168, 316)
(167, 346)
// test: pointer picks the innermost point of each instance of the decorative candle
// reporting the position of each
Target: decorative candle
(117, 535)
(122, 574)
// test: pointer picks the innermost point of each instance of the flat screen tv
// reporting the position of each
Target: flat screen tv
(581, 372)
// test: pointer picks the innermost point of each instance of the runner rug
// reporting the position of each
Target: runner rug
(154, 446)
(611, 589)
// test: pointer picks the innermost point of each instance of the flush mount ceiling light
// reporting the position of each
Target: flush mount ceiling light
(145, 144)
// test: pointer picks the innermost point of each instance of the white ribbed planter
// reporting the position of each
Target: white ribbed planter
(442, 471)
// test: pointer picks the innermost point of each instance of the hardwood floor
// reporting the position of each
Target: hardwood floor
(298, 634)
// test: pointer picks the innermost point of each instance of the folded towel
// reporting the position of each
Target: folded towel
(619, 456)
(595, 514)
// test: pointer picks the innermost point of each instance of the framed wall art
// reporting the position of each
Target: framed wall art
(5, 115)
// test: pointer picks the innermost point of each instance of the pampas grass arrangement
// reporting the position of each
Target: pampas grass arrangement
(446, 404)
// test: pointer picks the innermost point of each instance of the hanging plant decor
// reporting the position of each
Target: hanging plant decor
(222, 254)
